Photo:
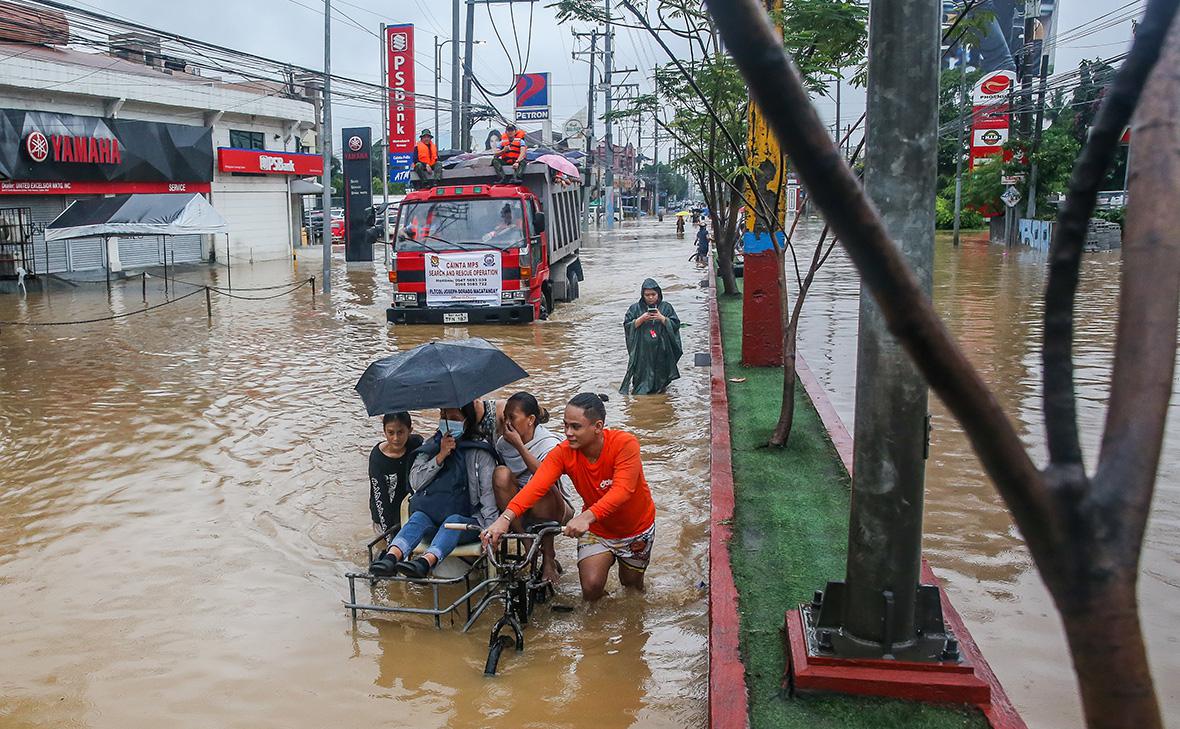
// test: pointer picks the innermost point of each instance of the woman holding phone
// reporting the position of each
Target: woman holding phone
(652, 330)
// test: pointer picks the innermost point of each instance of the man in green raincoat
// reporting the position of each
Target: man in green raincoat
(652, 330)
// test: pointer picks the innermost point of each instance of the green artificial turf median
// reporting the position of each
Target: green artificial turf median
(790, 537)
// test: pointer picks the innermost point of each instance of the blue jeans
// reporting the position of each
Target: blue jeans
(444, 542)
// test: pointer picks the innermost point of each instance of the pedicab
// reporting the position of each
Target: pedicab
(451, 374)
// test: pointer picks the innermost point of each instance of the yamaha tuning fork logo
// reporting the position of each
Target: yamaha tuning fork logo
(37, 146)
(355, 143)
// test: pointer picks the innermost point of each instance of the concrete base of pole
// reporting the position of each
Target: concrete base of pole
(762, 311)
(967, 680)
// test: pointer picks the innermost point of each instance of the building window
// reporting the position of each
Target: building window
(247, 140)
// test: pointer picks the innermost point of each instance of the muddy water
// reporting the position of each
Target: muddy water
(180, 498)
(991, 299)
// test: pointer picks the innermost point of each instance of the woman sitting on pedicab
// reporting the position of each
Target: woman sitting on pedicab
(450, 482)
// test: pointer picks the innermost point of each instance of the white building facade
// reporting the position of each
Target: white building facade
(76, 125)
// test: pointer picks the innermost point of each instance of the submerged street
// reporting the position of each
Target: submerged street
(183, 496)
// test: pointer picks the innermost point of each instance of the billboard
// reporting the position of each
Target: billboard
(358, 193)
(532, 96)
(994, 33)
(399, 69)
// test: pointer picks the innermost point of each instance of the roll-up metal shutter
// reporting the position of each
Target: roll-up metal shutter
(44, 210)
(139, 251)
(184, 249)
(86, 254)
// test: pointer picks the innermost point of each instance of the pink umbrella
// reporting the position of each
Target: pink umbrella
(561, 164)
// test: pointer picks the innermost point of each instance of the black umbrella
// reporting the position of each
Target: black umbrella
(436, 375)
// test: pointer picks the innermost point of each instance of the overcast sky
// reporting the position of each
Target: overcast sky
(292, 31)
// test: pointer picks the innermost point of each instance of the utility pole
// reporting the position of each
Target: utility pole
(959, 148)
(326, 149)
(1038, 36)
(437, 58)
(881, 610)
(465, 132)
(608, 198)
(385, 150)
(456, 119)
(656, 159)
(587, 183)
(837, 125)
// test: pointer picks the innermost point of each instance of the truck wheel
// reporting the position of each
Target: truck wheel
(572, 287)
(547, 299)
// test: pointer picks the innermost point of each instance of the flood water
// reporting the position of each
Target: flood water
(180, 497)
(991, 299)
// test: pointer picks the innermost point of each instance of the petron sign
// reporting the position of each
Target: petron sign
(49, 153)
(267, 162)
(532, 96)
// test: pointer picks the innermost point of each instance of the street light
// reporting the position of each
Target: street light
(454, 92)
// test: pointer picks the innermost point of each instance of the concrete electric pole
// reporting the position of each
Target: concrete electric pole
(326, 148)
(608, 193)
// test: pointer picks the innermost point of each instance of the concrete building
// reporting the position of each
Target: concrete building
(136, 118)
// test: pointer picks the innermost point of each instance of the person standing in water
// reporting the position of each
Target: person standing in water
(652, 330)
(389, 470)
(618, 521)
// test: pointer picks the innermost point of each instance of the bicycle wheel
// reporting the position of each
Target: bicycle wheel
(494, 651)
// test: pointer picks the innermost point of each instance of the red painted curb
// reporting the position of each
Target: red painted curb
(999, 711)
(728, 697)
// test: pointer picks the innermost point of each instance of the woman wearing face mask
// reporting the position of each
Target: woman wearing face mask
(525, 443)
(451, 481)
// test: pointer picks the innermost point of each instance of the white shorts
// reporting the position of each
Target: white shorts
(634, 552)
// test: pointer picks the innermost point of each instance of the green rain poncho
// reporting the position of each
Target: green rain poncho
(654, 347)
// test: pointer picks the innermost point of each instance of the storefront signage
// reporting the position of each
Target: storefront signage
(358, 194)
(463, 278)
(266, 162)
(399, 68)
(51, 153)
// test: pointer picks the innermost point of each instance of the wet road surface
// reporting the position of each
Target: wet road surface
(181, 497)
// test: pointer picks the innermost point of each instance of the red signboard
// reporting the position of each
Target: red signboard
(399, 67)
(266, 162)
(68, 187)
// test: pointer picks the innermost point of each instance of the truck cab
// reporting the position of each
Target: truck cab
(471, 250)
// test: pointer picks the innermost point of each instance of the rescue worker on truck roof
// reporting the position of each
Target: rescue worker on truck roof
(426, 158)
(512, 153)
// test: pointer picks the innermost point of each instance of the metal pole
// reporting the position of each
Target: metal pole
(437, 59)
(456, 119)
(385, 151)
(1031, 211)
(325, 149)
(208, 303)
(837, 124)
(229, 269)
(587, 183)
(608, 193)
(885, 525)
(959, 148)
(656, 161)
(467, 51)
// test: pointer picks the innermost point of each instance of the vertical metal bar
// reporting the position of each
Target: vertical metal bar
(325, 150)
(352, 596)
(468, 49)
(106, 258)
(229, 268)
(437, 63)
(885, 526)
(143, 280)
(959, 148)
(608, 200)
(456, 119)
(208, 303)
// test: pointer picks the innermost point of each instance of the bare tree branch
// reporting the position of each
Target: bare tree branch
(1069, 235)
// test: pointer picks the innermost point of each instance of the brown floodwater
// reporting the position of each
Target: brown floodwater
(180, 497)
(992, 300)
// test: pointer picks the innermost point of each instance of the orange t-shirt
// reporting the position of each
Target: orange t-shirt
(612, 488)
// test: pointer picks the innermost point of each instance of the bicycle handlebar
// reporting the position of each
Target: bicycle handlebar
(491, 552)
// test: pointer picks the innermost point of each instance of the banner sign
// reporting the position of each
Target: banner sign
(358, 193)
(67, 187)
(463, 278)
(266, 162)
(532, 96)
(399, 69)
(50, 147)
(989, 114)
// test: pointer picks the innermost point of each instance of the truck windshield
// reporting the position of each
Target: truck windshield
(462, 224)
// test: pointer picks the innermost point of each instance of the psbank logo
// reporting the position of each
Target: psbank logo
(399, 42)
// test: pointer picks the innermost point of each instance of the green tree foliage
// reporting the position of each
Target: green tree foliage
(672, 183)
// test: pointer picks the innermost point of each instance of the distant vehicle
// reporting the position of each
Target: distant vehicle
(313, 220)
(470, 250)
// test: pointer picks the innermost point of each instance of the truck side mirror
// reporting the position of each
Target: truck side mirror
(539, 221)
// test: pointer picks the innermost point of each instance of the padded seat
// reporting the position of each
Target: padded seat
(463, 551)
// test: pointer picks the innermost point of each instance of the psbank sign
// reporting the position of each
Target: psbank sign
(41, 147)
(399, 69)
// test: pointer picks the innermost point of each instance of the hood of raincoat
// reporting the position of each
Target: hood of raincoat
(650, 283)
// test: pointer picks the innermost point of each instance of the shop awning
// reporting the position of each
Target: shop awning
(300, 186)
(137, 215)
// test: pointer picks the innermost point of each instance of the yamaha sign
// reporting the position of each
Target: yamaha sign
(80, 149)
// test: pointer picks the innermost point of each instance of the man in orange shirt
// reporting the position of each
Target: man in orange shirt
(618, 521)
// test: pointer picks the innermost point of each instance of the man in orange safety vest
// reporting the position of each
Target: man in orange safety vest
(426, 158)
(511, 154)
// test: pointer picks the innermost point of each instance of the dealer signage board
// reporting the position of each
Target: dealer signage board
(358, 193)
(102, 155)
(399, 68)
(267, 162)
(463, 278)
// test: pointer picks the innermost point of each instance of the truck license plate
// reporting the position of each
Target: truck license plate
(455, 317)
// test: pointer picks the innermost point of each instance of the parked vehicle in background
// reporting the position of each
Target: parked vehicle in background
(469, 250)
(313, 222)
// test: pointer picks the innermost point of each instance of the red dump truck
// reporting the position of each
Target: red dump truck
(469, 250)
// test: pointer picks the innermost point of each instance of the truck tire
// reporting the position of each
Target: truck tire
(571, 286)
(546, 300)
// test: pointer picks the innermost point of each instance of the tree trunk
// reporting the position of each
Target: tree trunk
(786, 415)
(1105, 641)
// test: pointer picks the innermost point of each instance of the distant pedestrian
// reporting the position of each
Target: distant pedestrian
(652, 331)
(426, 163)
(702, 254)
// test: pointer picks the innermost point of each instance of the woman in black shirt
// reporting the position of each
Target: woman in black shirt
(389, 470)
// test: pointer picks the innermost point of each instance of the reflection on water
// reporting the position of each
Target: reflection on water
(180, 497)
(992, 300)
